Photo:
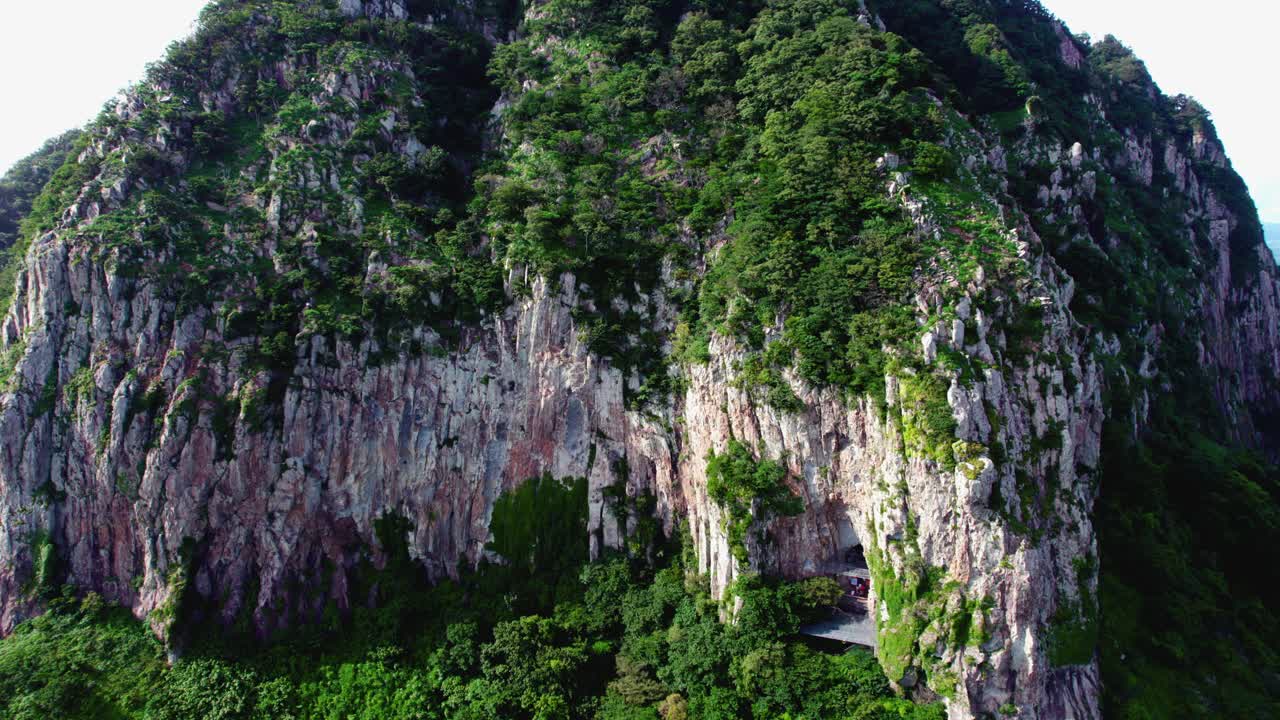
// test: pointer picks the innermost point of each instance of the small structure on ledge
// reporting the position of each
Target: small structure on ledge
(850, 620)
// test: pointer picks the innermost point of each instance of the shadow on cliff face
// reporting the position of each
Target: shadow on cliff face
(532, 563)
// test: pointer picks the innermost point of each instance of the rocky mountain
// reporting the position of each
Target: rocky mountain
(954, 270)
(23, 182)
(1272, 233)
(19, 187)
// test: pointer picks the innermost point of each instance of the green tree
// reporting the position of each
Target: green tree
(534, 667)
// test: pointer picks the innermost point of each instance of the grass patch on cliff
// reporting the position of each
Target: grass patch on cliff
(928, 426)
(907, 602)
(9, 358)
(748, 491)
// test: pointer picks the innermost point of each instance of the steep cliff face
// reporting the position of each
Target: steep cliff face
(269, 310)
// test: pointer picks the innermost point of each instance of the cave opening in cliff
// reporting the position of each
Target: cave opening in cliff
(850, 620)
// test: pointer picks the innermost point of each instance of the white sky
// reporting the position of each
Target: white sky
(62, 59)
(1224, 53)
